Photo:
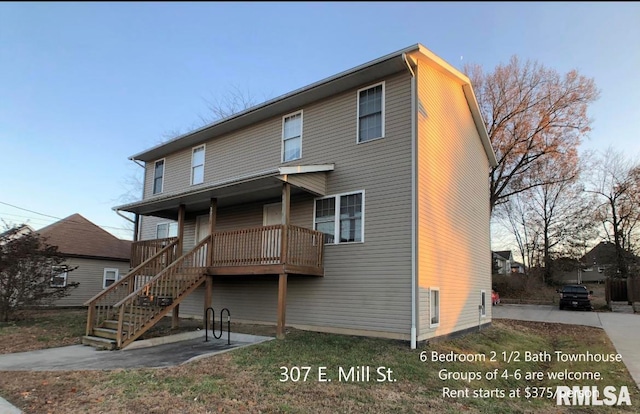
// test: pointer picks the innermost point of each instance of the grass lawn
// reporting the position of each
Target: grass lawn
(248, 380)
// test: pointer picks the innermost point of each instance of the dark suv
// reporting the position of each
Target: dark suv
(575, 297)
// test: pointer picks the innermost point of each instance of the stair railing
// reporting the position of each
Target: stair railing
(161, 293)
(101, 306)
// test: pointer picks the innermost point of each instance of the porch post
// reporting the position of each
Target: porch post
(208, 293)
(286, 209)
(136, 224)
(282, 305)
(213, 210)
(175, 315)
(181, 211)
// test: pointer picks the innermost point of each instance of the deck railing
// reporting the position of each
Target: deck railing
(305, 246)
(101, 306)
(141, 250)
(264, 246)
(251, 246)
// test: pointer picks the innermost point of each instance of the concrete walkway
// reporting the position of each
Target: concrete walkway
(145, 355)
(622, 328)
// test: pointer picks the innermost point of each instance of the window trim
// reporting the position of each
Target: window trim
(168, 223)
(382, 112)
(336, 228)
(104, 276)
(66, 274)
(204, 158)
(153, 182)
(431, 290)
(283, 139)
(483, 303)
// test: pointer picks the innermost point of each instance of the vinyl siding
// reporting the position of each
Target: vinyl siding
(148, 226)
(367, 286)
(226, 157)
(89, 274)
(314, 182)
(453, 206)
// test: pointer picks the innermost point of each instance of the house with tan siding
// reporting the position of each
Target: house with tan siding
(357, 205)
(97, 258)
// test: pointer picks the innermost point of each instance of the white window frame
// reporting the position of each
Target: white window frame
(336, 230)
(153, 181)
(483, 303)
(431, 307)
(204, 156)
(358, 141)
(104, 276)
(58, 273)
(170, 225)
(284, 118)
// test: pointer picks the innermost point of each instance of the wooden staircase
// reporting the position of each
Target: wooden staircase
(132, 305)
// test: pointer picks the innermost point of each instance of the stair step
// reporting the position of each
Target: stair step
(105, 333)
(113, 324)
(99, 343)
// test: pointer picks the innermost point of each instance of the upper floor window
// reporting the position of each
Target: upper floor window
(158, 176)
(197, 165)
(341, 217)
(371, 113)
(168, 229)
(58, 276)
(292, 137)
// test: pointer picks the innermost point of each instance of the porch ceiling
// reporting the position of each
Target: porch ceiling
(263, 186)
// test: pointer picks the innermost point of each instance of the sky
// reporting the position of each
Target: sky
(83, 86)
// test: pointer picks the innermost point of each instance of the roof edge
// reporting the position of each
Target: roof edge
(142, 155)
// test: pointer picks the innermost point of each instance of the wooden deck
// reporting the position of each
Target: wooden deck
(272, 249)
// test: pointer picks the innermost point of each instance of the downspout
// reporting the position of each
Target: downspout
(124, 217)
(134, 222)
(414, 338)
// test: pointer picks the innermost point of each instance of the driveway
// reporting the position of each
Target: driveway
(622, 328)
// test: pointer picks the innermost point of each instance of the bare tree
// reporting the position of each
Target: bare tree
(531, 113)
(28, 270)
(561, 211)
(233, 101)
(553, 218)
(615, 182)
(515, 216)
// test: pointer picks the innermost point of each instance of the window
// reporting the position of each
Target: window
(345, 227)
(371, 113)
(292, 137)
(158, 176)
(110, 276)
(434, 297)
(326, 218)
(164, 230)
(197, 165)
(483, 303)
(58, 276)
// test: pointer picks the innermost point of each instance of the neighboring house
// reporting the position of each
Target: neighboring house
(14, 233)
(502, 262)
(355, 205)
(517, 267)
(600, 262)
(100, 257)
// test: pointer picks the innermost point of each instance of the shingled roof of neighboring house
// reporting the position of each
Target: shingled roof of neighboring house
(505, 254)
(77, 236)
